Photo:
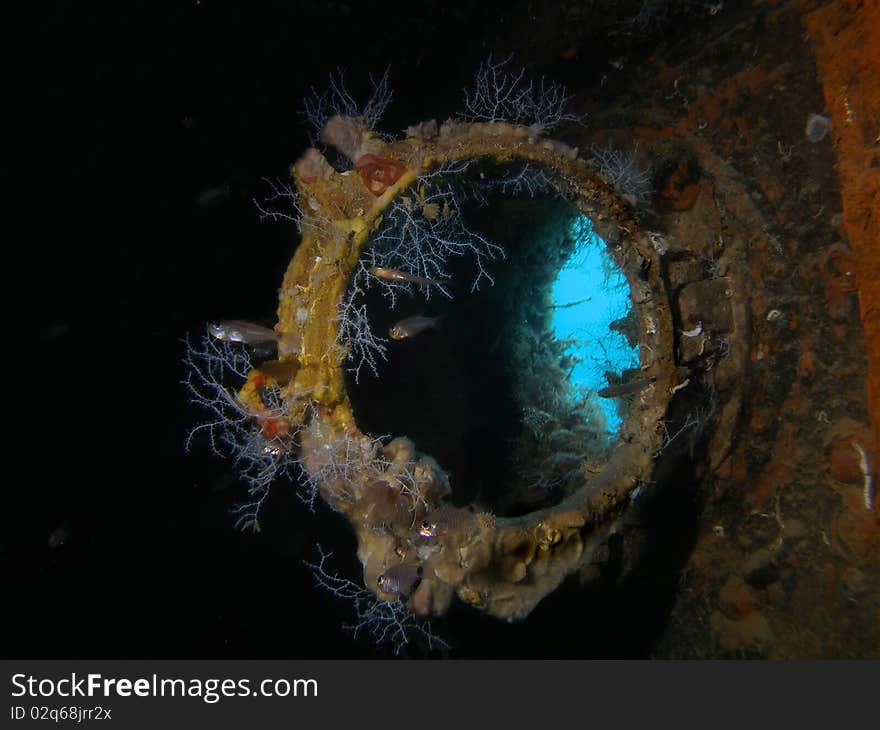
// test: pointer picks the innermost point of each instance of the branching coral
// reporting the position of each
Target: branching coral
(335, 462)
(386, 621)
(521, 181)
(337, 100)
(500, 94)
(281, 204)
(625, 172)
(419, 235)
(256, 439)
(653, 14)
(355, 337)
(210, 366)
(692, 426)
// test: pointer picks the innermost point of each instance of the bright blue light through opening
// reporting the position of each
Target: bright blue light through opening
(590, 292)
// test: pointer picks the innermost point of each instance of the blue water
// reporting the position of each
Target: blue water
(591, 279)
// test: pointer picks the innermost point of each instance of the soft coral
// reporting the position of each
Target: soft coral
(378, 173)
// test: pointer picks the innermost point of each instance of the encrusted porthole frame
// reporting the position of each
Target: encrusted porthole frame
(394, 496)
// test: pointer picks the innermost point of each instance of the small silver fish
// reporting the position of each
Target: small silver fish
(443, 521)
(247, 333)
(213, 196)
(399, 579)
(411, 326)
(59, 537)
(394, 275)
(633, 386)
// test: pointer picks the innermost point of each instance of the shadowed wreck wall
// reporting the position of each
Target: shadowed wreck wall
(785, 561)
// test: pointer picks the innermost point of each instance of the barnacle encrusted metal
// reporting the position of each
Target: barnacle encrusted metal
(390, 492)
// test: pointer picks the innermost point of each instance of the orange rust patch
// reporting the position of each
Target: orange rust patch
(681, 190)
(734, 599)
(806, 362)
(770, 187)
(830, 585)
(779, 472)
(845, 267)
(856, 529)
(775, 476)
(846, 39)
(840, 280)
(651, 134)
(762, 418)
(730, 472)
(666, 74)
(716, 104)
(738, 136)
(751, 631)
(844, 464)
